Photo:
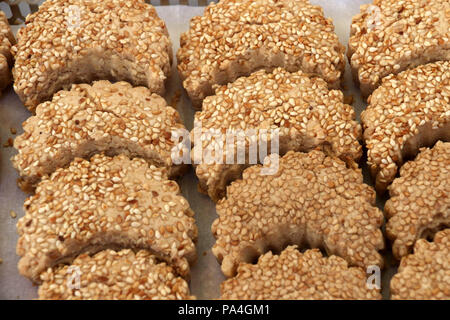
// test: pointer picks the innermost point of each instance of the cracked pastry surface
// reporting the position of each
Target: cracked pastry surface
(233, 38)
(6, 61)
(390, 36)
(105, 203)
(105, 117)
(408, 111)
(293, 275)
(420, 198)
(111, 275)
(303, 110)
(79, 41)
(425, 274)
(312, 200)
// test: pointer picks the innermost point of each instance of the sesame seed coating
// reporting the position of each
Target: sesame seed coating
(312, 200)
(425, 274)
(390, 36)
(78, 41)
(233, 38)
(6, 41)
(305, 112)
(105, 203)
(112, 118)
(420, 198)
(111, 275)
(408, 111)
(297, 276)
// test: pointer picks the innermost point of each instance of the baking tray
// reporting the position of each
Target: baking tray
(206, 274)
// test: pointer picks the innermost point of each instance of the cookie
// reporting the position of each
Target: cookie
(312, 200)
(105, 203)
(408, 111)
(391, 36)
(234, 38)
(112, 118)
(111, 275)
(420, 199)
(6, 60)
(79, 41)
(301, 108)
(425, 274)
(298, 276)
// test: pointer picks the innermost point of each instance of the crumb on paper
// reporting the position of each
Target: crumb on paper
(8, 143)
(13, 214)
(1, 260)
(204, 253)
(349, 99)
(13, 130)
(175, 99)
(344, 87)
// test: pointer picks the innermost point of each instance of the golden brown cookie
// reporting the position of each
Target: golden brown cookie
(312, 200)
(234, 38)
(111, 275)
(420, 199)
(105, 203)
(390, 36)
(79, 41)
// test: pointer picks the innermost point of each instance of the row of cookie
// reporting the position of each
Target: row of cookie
(317, 201)
(236, 37)
(314, 200)
(104, 203)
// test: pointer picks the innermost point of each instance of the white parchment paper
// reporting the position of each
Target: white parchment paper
(206, 274)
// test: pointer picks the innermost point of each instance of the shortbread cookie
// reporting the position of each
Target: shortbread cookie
(112, 118)
(408, 111)
(233, 38)
(420, 199)
(390, 36)
(79, 41)
(105, 203)
(305, 112)
(297, 276)
(6, 60)
(425, 274)
(111, 275)
(312, 200)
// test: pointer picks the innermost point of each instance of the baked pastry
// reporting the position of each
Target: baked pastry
(79, 41)
(112, 118)
(312, 200)
(234, 38)
(297, 276)
(111, 275)
(390, 36)
(297, 107)
(105, 203)
(408, 111)
(6, 60)
(425, 274)
(420, 199)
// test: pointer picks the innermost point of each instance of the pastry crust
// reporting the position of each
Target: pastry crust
(425, 274)
(111, 118)
(420, 199)
(79, 41)
(305, 112)
(298, 276)
(111, 275)
(6, 60)
(390, 36)
(105, 203)
(408, 111)
(312, 200)
(234, 38)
